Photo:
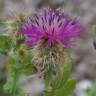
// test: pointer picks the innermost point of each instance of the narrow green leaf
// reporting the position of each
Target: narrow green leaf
(94, 29)
(66, 72)
(47, 76)
(48, 73)
(66, 89)
(5, 44)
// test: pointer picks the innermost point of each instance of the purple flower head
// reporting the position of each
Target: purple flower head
(51, 26)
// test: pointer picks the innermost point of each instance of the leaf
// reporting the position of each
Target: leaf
(66, 89)
(65, 74)
(2, 23)
(20, 93)
(94, 29)
(21, 64)
(48, 73)
(94, 33)
(8, 86)
(25, 65)
(5, 44)
(47, 76)
(16, 66)
(10, 69)
(3, 51)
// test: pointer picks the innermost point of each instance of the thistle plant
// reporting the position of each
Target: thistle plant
(40, 44)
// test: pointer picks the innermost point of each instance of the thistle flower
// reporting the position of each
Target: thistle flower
(49, 33)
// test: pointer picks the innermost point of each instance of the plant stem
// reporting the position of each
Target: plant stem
(14, 84)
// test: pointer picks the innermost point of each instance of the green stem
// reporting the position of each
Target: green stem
(14, 84)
